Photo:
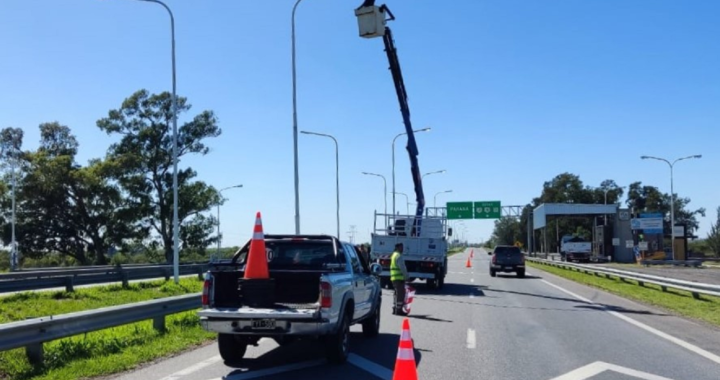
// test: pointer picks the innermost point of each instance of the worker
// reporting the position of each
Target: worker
(398, 276)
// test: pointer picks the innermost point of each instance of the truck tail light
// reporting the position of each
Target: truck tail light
(385, 262)
(427, 265)
(325, 295)
(207, 288)
(494, 259)
(522, 259)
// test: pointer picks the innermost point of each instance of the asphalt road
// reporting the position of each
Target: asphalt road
(541, 327)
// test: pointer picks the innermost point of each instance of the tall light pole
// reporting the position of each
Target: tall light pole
(295, 124)
(176, 222)
(384, 194)
(407, 201)
(13, 250)
(435, 172)
(438, 193)
(218, 215)
(337, 176)
(393, 162)
(672, 194)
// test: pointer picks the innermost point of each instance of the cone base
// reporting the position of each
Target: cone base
(257, 292)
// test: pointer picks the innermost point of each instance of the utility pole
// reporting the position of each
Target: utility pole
(351, 234)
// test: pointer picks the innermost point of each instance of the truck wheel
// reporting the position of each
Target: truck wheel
(521, 273)
(432, 283)
(492, 273)
(371, 325)
(337, 346)
(231, 348)
(441, 282)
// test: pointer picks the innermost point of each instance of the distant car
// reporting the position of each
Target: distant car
(507, 259)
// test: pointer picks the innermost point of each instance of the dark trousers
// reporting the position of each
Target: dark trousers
(399, 295)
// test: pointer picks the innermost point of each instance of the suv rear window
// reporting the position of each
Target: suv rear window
(508, 250)
(296, 254)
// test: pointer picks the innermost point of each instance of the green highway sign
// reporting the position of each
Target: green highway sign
(459, 210)
(487, 210)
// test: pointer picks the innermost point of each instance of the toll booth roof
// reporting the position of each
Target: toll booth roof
(540, 213)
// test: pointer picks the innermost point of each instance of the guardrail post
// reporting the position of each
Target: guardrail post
(159, 323)
(201, 275)
(125, 281)
(696, 295)
(35, 353)
(70, 284)
(664, 288)
(641, 283)
(167, 274)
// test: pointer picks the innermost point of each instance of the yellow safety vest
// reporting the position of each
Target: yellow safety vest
(395, 272)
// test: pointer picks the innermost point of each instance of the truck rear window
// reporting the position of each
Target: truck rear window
(508, 250)
(297, 254)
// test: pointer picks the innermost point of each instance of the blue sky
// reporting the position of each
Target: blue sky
(515, 92)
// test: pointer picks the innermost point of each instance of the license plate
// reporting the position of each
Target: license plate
(263, 324)
(508, 267)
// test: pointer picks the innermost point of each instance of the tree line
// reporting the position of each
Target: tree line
(120, 202)
(569, 188)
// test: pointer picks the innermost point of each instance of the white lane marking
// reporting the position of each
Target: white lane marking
(472, 280)
(368, 366)
(688, 346)
(597, 368)
(193, 368)
(272, 371)
(471, 342)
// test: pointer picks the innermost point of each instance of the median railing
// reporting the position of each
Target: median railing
(695, 288)
(32, 333)
(69, 278)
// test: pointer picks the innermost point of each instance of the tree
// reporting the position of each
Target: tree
(713, 237)
(144, 159)
(70, 209)
(506, 232)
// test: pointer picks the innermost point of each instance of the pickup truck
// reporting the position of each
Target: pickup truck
(322, 287)
(507, 258)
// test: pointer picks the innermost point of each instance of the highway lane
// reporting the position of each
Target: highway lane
(541, 327)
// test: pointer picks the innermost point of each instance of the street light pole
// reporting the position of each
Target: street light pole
(385, 194)
(436, 194)
(218, 216)
(407, 201)
(176, 222)
(295, 124)
(672, 194)
(393, 163)
(337, 176)
(13, 251)
(435, 172)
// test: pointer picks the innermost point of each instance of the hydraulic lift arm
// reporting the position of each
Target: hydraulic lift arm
(412, 148)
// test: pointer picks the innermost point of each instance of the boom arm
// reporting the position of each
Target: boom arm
(412, 148)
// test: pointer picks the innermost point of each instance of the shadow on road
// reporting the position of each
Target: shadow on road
(538, 295)
(452, 289)
(381, 350)
(619, 309)
(512, 275)
(428, 318)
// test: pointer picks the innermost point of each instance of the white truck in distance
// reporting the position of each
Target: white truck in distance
(575, 249)
(425, 255)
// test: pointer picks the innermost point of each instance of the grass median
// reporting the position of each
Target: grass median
(455, 251)
(102, 352)
(706, 309)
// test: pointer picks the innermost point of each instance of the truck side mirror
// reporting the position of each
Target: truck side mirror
(450, 231)
(375, 269)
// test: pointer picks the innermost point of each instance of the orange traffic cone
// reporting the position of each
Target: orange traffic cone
(405, 362)
(468, 264)
(257, 265)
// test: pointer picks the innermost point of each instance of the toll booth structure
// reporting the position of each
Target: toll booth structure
(607, 237)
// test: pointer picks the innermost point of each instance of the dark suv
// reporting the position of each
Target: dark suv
(506, 259)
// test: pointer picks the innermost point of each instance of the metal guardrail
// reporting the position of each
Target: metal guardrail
(69, 278)
(695, 288)
(32, 333)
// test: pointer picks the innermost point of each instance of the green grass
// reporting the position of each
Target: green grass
(706, 309)
(20, 306)
(455, 251)
(101, 352)
(107, 351)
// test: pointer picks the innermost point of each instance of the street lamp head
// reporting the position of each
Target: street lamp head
(644, 157)
(697, 156)
(447, 191)
(424, 129)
